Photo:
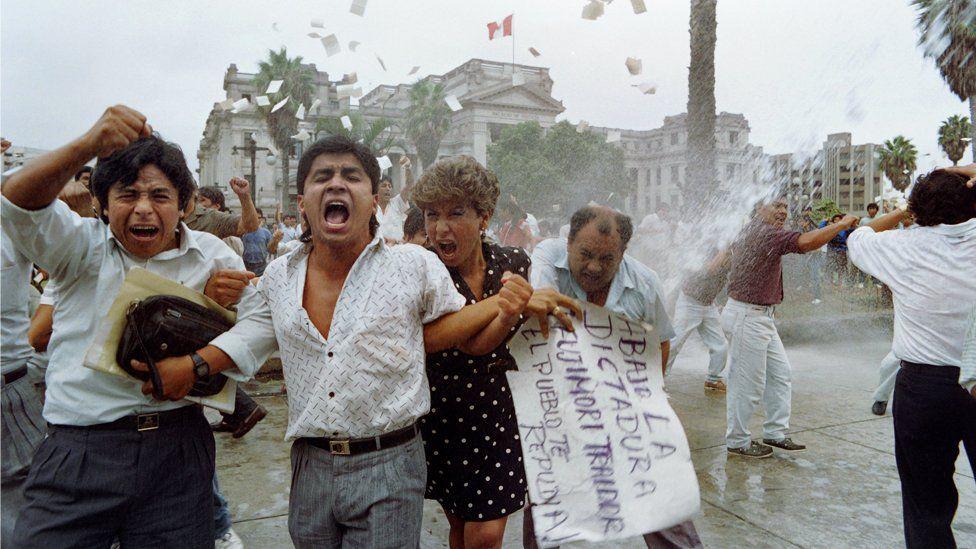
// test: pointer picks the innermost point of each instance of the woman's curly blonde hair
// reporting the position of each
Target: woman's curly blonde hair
(457, 179)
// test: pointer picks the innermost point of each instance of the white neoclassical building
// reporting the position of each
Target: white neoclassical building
(492, 95)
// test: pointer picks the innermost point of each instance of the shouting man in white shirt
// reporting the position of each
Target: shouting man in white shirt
(931, 271)
(353, 318)
(116, 464)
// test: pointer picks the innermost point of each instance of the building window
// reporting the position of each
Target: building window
(634, 174)
(246, 96)
(674, 138)
(658, 175)
(248, 136)
(674, 174)
(733, 138)
(730, 171)
(647, 201)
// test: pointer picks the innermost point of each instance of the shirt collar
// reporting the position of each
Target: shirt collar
(187, 242)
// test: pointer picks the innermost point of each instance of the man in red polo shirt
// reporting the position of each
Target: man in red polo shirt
(758, 366)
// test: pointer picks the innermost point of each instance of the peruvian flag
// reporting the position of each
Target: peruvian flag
(506, 27)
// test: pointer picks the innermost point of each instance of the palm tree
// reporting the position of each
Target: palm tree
(700, 153)
(298, 84)
(951, 134)
(947, 32)
(428, 119)
(897, 160)
(376, 134)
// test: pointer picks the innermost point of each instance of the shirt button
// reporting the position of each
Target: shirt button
(330, 354)
(331, 394)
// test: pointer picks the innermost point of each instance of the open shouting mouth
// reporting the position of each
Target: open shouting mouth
(336, 215)
(143, 233)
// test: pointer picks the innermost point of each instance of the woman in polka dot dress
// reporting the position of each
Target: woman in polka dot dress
(474, 461)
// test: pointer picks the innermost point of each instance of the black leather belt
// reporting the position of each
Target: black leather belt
(143, 422)
(355, 446)
(13, 376)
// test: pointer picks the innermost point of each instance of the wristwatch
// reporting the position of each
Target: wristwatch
(201, 368)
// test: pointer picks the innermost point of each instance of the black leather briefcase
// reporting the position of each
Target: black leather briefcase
(164, 326)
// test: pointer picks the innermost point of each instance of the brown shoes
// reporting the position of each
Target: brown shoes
(718, 386)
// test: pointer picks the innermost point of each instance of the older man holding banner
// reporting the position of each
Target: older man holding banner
(605, 455)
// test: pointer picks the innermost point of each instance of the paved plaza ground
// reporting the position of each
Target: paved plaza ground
(842, 492)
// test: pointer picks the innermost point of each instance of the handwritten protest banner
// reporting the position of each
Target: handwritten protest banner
(605, 455)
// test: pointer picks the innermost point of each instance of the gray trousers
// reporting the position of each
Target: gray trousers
(87, 488)
(23, 429)
(373, 500)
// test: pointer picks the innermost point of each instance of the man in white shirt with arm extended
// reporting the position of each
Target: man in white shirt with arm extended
(116, 464)
(353, 318)
(931, 271)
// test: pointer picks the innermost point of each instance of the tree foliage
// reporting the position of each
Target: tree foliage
(558, 167)
(373, 133)
(897, 158)
(298, 84)
(951, 134)
(428, 119)
(825, 209)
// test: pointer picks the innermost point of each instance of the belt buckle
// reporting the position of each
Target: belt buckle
(339, 447)
(147, 422)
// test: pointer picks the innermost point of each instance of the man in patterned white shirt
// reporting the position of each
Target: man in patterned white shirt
(353, 318)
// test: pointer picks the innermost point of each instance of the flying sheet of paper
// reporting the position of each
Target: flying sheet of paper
(384, 162)
(639, 6)
(353, 45)
(633, 65)
(314, 35)
(382, 64)
(274, 86)
(318, 23)
(346, 123)
(262, 100)
(613, 137)
(582, 126)
(350, 78)
(518, 79)
(240, 105)
(534, 52)
(349, 90)
(302, 135)
(226, 104)
(452, 101)
(280, 104)
(331, 44)
(358, 7)
(647, 88)
(300, 113)
(314, 105)
(593, 10)
(414, 70)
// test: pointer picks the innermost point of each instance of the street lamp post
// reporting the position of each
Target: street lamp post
(251, 148)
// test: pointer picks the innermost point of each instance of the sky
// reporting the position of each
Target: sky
(797, 70)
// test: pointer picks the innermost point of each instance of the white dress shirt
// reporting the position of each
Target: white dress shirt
(90, 265)
(367, 376)
(635, 291)
(290, 233)
(15, 279)
(932, 275)
(391, 222)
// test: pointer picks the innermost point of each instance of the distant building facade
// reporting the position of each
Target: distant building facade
(493, 95)
(841, 171)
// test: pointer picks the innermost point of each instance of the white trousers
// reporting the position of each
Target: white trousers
(758, 369)
(690, 315)
(890, 365)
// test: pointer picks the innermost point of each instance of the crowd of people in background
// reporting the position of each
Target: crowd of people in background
(391, 311)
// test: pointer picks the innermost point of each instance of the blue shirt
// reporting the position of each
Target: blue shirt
(635, 291)
(839, 242)
(256, 246)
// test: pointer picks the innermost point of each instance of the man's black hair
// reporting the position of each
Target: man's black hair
(413, 223)
(260, 212)
(339, 144)
(872, 205)
(385, 177)
(83, 171)
(942, 197)
(123, 167)
(213, 194)
(586, 214)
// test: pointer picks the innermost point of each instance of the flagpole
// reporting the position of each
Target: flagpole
(513, 47)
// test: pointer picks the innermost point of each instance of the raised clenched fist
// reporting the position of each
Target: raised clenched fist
(116, 129)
